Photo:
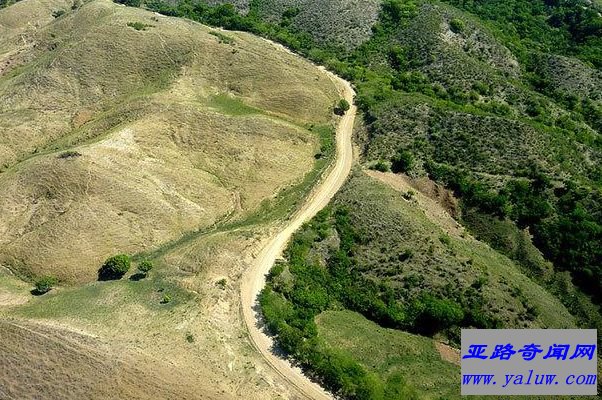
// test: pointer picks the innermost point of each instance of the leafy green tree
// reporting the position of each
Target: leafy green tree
(342, 107)
(457, 25)
(145, 267)
(402, 161)
(114, 267)
(44, 284)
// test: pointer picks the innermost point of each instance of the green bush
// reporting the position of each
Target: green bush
(381, 166)
(114, 267)
(402, 161)
(342, 107)
(139, 26)
(457, 25)
(44, 284)
(145, 266)
(130, 3)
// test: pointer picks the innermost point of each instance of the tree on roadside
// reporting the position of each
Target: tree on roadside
(145, 266)
(342, 107)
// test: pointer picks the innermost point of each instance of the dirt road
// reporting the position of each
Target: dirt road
(254, 278)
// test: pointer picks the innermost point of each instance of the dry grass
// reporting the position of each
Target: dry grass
(127, 320)
(159, 157)
(57, 363)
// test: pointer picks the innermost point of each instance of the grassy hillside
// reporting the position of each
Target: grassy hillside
(123, 130)
(389, 255)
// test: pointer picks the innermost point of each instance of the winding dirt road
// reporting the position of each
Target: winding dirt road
(254, 278)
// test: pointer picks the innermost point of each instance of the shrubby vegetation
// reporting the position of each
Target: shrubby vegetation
(114, 267)
(44, 285)
(369, 254)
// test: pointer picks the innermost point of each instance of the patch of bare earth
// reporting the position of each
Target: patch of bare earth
(437, 203)
(448, 353)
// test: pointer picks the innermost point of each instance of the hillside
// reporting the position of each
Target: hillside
(335, 23)
(476, 201)
(388, 252)
(122, 130)
(119, 139)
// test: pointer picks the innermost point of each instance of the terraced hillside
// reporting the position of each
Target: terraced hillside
(122, 130)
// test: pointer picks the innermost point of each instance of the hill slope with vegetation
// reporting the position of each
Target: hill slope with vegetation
(376, 252)
(499, 101)
(122, 130)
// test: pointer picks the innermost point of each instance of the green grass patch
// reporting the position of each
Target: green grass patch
(222, 38)
(139, 26)
(391, 354)
(231, 105)
(101, 301)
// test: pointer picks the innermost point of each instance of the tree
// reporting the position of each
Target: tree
(145, 266)
(457, 25)
(342, 107)
(114, 267)
(402, 161)
(44, 285)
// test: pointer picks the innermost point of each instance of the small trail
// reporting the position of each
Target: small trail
(254, 278)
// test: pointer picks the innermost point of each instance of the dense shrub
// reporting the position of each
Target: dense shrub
(44, 285)
(342, 107)
(114, 267)
(457, 25)
(402, 161)
(130, 3)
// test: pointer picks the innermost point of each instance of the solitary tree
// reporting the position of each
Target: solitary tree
(44, 284)
(145, 266)
(342, 107)
(114, 268)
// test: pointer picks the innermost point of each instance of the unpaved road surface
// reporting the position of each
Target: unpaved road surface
(254, 278)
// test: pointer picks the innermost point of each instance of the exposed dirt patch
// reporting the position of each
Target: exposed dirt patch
(448, 353)
(438, 203)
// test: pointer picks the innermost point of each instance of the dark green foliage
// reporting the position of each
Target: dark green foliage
(130, 3)
(58, 13)
(69, 154)
(139, 26)
(222, 38)
(457, 25)
(402, 161)
(145, 266)
(571, 27)
(44, 285)
(342, 107)
(114, 267)
(433, 315)
(381, 166)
